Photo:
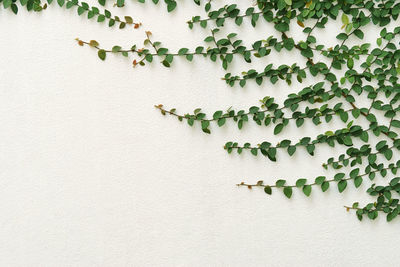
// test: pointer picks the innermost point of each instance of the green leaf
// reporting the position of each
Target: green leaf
(171, 6)
(162, 51)
(364, 136)
(116, 49)
(310, 149)
(359, 34)
(291, 150)
(308, 53)
(320, 179)
(358, 181)
(278, 128)
(396, 123)
(268, 190)
(390, 216)
(166, 63)
(7, 3)
(169, 58)
(342, 185)
(329, 133)
(388, 154)
(238, 21)
(128, 19)
(287, 191)
(354, 173)
(102, 54)
(372, 214)
(204, 125)
(350, 63)
(342, 36)
(331, 77)
(288, 44)
(325, 186)
(394, 181)
(344, 116)
(240, 124)
(372, 158)
(339, 176)
(301, 182)
(280, 183)
(182, 51)
(80, 10)
(217, 114)
(299, 122)
(271, 153)
(282, 27)
(149, 57)
(14, 9)
(307, 190)
(221, 122)
(189, 57)
(345, 19)
(209, 39)
(101, 18)
(281, 4)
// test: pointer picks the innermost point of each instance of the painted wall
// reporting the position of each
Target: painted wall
(92, 175)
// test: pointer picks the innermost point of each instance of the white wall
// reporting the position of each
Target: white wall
(92, 175)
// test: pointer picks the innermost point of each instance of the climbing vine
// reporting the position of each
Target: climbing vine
(346, 76)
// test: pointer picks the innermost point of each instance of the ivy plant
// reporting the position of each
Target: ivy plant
(343, 74)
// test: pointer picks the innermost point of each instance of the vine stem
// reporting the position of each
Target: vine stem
(315, 141)
(351, 208)
(259, 184)
(138, 51)
(164, 111)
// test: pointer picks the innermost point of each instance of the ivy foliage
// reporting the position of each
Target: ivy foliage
(370, 71)
(170, 4)
(343, 75)
(91, 11)
(82, 9)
